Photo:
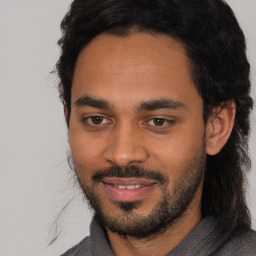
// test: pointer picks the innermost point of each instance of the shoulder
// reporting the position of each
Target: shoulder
(81, 249)
(242, 242)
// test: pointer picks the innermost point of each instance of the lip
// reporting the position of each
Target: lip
(127, 195)
(127, 181)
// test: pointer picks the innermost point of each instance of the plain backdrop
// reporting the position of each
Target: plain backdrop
(35, 181)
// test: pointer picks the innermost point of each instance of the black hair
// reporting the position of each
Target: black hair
(215, 46)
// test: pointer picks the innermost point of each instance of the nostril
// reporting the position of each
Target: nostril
(126, 155)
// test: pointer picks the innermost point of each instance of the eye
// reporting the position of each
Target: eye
(95, 120)
(161, 122)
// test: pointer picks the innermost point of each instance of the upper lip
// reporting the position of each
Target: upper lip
(128, 181)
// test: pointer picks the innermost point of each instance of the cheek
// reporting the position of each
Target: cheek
(86, 151)
(174, 152)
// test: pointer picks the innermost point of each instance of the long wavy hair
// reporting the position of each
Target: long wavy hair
(215, 46)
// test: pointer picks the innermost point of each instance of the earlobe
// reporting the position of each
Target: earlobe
(219, 127)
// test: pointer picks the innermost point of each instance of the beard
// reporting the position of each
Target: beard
(165, 213)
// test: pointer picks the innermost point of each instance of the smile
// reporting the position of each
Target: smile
(127, 189)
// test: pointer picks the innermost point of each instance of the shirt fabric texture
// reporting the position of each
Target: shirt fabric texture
(201, 241)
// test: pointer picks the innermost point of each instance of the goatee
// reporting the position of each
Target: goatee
(167, 211)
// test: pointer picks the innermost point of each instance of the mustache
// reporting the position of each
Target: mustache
(129, 172)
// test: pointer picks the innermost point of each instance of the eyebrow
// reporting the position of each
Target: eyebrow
(87, 101)
(151, 105)
(160, 104)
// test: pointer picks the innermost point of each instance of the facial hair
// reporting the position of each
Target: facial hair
(165, 213)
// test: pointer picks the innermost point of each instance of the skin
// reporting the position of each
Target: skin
(125, 72)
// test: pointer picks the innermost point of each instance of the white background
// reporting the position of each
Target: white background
(35, 182)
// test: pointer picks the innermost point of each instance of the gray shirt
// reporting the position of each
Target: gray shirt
(201, 241)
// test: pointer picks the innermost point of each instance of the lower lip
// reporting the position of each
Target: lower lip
(127, 195)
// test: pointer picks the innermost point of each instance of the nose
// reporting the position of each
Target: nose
(126, 148)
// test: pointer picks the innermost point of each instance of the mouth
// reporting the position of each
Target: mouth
(127, 189)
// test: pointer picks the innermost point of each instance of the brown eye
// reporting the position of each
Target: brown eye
(96, 119)
(159, 121)
(96, 123)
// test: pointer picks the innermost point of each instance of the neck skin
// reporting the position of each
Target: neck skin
(165, 242)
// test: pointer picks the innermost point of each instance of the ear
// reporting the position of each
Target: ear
(219, 126)
(66, 114)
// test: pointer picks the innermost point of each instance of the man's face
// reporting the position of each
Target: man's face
(136, 132)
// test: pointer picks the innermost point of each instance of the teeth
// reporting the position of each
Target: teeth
(131, 187)
(128, 187)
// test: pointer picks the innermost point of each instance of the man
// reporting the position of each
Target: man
(156, 99)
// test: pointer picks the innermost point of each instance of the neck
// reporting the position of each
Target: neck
(161, 244)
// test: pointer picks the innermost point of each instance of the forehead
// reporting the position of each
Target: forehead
(139, 65)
